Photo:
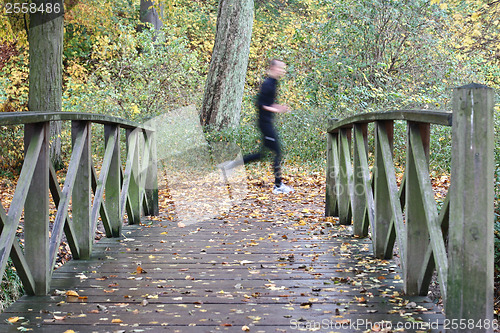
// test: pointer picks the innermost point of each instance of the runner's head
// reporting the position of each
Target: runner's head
(277, 68)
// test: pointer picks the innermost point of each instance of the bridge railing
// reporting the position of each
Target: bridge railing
(456, 241)
(108, 195)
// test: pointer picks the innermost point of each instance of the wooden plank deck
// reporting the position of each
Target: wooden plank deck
(226, 275)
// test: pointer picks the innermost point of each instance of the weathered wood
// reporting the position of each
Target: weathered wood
(150, 179)
(81, 194)
(429, 262)
(420, 139)
(103, 176)
(417, 199)
(224, 287)
(344, 194)
(70, 233)
(38, 178)
(363, 205)
(79, 142)
(19, 118)
(471, 249)
(101, 208)
(19, 261)
(331, 207)
(130, 187)
(36, 211)
(385, 207)
(423, 116)
(16, 206)
(112, 182)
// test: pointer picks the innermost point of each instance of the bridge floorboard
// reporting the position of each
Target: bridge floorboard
(226, 275)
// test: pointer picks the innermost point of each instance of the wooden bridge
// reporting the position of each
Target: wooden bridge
(296, 272)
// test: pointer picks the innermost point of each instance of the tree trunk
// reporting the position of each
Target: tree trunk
(149, 14)
(226, 78)
(45, 66)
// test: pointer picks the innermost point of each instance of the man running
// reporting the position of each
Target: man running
(267, 108)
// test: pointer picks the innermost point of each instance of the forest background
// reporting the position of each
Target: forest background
(344, 57)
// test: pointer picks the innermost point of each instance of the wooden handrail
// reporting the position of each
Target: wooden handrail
(22, 118)
(134, 191)
(369, 197)
(420, 116)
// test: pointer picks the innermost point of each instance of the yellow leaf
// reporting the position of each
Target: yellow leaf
(72, 293)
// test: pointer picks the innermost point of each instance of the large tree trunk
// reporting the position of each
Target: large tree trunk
(149, 14)
(45, 67)
(226, 78)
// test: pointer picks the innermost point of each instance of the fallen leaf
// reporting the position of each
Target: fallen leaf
(72, 293)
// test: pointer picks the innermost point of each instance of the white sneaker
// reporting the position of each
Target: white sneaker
(282, 189)
(225, 170)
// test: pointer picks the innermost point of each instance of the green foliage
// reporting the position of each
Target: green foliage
(11, 287)
(77, 42)
(148, 74)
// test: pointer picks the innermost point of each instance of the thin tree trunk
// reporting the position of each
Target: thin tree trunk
(149, 14)
(226, 78)
(45, 67)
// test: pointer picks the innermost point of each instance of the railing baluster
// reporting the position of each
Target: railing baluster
(471, 238)
(36, 211)
(113, 185)
(81, 195)
(79, 141)
(363, 208)
(429, 263)
(99, 206)
(417, 235)
(345, 177)
(151, 180)
(382, 193)
(69, 231)
(130, 187)
(332, 185)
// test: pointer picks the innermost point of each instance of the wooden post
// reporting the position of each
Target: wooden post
(471, 249)
(417, 234)
(113, 185)
(344, 188)
(383, 211)
(36, 214)
(82, 194)
(361, 178)
(133, 189)
(331, 196)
